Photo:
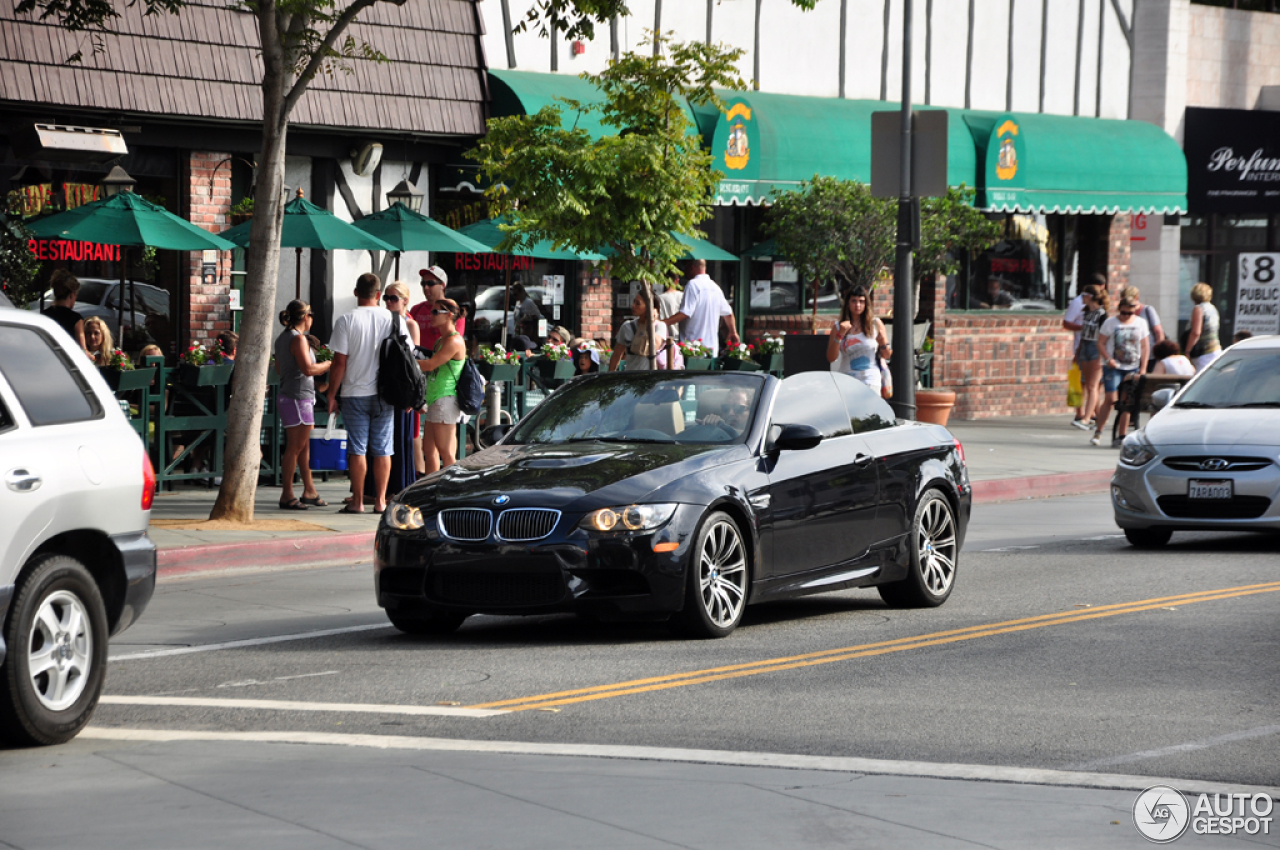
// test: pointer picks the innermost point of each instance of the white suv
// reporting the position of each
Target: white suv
(76, 564)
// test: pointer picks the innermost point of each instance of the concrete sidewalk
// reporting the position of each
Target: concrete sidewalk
(1010, 458)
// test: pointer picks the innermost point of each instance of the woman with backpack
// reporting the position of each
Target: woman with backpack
(440, 422)
(405, 423)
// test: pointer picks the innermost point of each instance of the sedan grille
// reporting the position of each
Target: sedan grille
(500, 589)
(1238, 507)
(526, 524)
(467, 524)
(1216, 463)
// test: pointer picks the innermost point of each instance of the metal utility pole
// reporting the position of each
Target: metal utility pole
(902, 366)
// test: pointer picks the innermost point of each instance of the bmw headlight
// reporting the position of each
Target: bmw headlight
(629, 518)
(1137, 450)
(402, 516)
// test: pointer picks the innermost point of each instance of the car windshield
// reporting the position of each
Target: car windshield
(646, 407)
(1237, 379)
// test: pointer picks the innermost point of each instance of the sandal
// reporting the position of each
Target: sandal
(295, 505)
(347, 509)
(314, 501)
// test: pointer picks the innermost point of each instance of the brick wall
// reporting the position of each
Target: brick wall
(595, 309)
(1118, 247)
(209, 202)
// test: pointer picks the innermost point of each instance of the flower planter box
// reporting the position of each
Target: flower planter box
(126, 380)
(204, 376)
(553, 370)
(499, 371)
(699, 363)
(733, 364)
(770, 362)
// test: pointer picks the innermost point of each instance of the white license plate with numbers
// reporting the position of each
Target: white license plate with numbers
(1216, 489)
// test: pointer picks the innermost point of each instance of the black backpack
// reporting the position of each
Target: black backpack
(401, 383)
(470, 388)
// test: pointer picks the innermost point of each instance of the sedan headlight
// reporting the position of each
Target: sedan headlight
(1137, 450)
(630, 518)
(402, 516)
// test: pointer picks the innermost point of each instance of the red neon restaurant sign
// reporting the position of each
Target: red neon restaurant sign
(490, 262)
(80, 252)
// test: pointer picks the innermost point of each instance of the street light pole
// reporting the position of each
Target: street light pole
(902, 366)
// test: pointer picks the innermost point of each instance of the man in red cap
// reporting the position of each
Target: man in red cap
(434, 280)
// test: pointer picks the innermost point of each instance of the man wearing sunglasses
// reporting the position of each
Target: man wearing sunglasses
(434, 281)
(735, 413)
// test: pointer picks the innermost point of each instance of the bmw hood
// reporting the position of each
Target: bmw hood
(559, 475)
(1175, 426)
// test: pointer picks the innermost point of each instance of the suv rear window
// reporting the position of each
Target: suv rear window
(49, 385)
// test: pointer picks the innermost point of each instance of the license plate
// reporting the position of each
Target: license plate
(1210, 489)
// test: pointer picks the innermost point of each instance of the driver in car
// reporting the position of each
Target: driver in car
(734, 414)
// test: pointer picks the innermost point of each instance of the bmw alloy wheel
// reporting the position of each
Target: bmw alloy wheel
(718, 579)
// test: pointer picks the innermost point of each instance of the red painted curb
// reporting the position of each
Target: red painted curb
(1040, 486)
(288, 551)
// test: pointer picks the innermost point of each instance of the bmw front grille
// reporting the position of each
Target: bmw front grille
(522, 525)
(466, 524)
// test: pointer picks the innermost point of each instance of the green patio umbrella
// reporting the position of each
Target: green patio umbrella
(767, 248)
(490, 234)
(701, 249)
(129, 221)
(309, 226)
(411, 231)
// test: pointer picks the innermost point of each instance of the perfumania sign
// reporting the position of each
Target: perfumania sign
(1233, 161)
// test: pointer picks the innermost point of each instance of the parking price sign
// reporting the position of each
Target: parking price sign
(1258, 294)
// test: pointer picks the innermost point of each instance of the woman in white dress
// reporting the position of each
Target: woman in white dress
(857, 338)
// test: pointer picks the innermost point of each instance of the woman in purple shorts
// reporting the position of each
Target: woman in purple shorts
(298, 369)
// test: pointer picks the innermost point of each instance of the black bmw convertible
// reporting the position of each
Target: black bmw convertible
(680, 495)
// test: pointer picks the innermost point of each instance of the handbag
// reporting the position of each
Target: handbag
(1075, 391)
(886, 379)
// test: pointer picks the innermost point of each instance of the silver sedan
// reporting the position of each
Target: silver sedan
(1210, 459)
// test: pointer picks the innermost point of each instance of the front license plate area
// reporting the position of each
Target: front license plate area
(1210, 489)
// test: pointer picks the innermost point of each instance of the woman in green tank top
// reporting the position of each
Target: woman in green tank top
(440, 422)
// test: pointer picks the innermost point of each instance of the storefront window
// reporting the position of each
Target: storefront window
(1230, 236)
(1033, 267)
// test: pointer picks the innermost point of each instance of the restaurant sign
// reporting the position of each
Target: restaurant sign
(28, 201)
(61, 250)
(1233, 161)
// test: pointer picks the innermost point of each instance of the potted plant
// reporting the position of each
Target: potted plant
(769, 352)
(203, 367)
(739, 358)
(121, 376)
(498, 364)
(696, 355)
(934, 405)
(242, 211)
(555, 362)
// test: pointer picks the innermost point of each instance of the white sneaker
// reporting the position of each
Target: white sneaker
(1081, 424)
(1095, 440)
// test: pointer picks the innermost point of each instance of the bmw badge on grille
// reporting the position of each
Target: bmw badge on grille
(502, 500)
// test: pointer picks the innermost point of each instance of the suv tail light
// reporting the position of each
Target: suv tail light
(148, 482)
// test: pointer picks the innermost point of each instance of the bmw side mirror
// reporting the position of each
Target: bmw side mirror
(797, 437)
(1161, 397)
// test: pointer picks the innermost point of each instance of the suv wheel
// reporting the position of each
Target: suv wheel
(57, 653)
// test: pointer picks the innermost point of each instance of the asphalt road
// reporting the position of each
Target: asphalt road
(1061, 649)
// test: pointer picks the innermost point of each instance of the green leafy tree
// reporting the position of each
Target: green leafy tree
(833, 229)
(949, 228)
(300, 39)
(19, 268)
(626, 193)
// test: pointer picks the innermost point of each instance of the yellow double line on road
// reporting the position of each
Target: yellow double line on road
(866, 650)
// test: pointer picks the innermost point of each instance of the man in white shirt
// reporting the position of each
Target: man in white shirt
(702, 309)
(356, 342)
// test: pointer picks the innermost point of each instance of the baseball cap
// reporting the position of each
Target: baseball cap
(436, 272)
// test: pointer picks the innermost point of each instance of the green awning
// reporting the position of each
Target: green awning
(1032, 162)
(767, 143)
(527, 92)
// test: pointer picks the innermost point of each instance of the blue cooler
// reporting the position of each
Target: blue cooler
(329, 454)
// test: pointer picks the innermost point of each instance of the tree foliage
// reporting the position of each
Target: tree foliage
(833, 229)
(19, 268)
(625, 193)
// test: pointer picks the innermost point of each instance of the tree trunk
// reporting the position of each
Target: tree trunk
(243, 455)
